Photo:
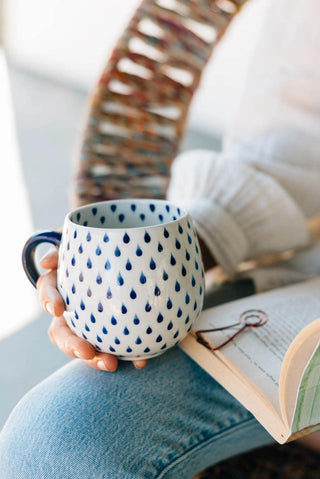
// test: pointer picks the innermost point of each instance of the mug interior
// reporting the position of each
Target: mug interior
(131, 213)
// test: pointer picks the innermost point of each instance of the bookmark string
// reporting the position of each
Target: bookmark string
(252, 318)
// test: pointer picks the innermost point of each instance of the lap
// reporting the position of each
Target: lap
(167, 420)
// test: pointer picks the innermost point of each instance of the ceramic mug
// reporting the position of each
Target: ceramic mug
(130, 273)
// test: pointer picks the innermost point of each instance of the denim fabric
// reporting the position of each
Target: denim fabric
(169, 420)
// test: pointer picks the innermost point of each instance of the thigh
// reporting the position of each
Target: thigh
(169, 420)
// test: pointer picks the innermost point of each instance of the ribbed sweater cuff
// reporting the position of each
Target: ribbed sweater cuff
(221, 234)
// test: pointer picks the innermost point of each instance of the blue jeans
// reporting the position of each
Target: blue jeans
(169, 420)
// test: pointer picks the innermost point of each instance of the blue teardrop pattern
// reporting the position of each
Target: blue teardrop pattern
(75, 234)
(152, 264)
(177, 287)
(180, 229)
(160, 247)
(82, 305)
(193, 281)
(146, 350)
(81, 277)
(76, 314)
(170, 326)
(129, 350)
(92, 318)
(80, 249)
(147, 237)
(73, 261)
(117, 340)
(183, 271)
(166, 233)
(98, 251)
(133, 294)
(143, 279)
(138, 340)
(78, 216)
(99, 339)
(112, 349)
(176, 334)
(157, 291)
(121, 217)
(169, 304)
(113, 320)
(139, 251)
(163, 347)
(100, 307)
(133, 207)
(142, 216)
(113, 208)
(94, 211)
(187, 255)
(89, 263)
(165, 275)
(99, 279)
(88, 236)
(160, 218)
(149, 330)
(159, 338)
(123, 309)
(104, 330)
(126, 238)
(187, 319)
(126, 331)
(109, 293)
(136, 320)
(178, 244)
(102, 219)
(147, 307)
(168, 208)
(67, 300)
(179, 313)
(172, 260)
(87, 328)
(117, 252)
(106, 238)
(159, 318)
(152, 207)
(107, 265)
(128, 266)
(73, 289)
(120, 280)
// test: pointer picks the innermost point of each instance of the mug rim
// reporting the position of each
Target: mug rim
(184, 214)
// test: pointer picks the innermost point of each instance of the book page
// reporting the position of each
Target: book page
(258, 352)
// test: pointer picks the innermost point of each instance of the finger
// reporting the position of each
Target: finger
(50, 259)
(50, 298)
(140, 363)
(73, 346)
(104, 362)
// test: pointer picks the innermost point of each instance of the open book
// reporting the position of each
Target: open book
(273, 370)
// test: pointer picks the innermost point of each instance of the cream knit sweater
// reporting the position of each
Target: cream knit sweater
(256, 196)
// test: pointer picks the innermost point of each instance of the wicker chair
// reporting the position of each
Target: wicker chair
(136, 119)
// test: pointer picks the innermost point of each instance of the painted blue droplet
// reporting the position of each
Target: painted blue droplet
(138, 340)
(100, 307)
(139, 251)
(67, 273)
(99, 279)
(109, 293)
(92, 318)
(94, 211)
(177, 286)
(123, 309)
(189, 329)
(187, 299)
(160, 247)
(89, 263)
(178, 244)
(75, 234)
(159, 338)
(67, 300)
(97, 347)
(142, 216)
(152, 264)
(112, 349)
(187, 255)
(143, 279)
(99, 339)
(183, 271)
(89, 236)
(82, 305)
(176, 334)
(126, 238)
(73, 323)
(197, 249)
(179, 313)
(180, 229)
(80, 249)
(98, 251)
(164, 346)
(73, 261)
(113, 321)
(170, 325)
(106, 238)
(126, 331)
(102, 219)
(166, 233)
(160, 318)
(87, 328)
(121, 217)
(200, 290)
(85, 223)
(189, 239)
(107, 265)
(136, 320)
(113, 208)
(73, 289)
(193, 281)
(81, 278)
(152, 207)
(147, 238)
(84, 336)
(195, 305)
(128, 266)
(174, 218)
(120, 280)
(179, 211)
(117, 252)
(149, 330)
(146, 350)
(196, 265)
(168, 208)
(187, 319)
(117, 340)
(104, 330)
(76, 315)
(172, 260)
(147, 307)
(169, 304)
(68, 245)
(157, 291)
(78, 216)
(133, 294)
(129, 350)
(133, 207)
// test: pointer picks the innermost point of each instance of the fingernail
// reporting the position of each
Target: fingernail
(50, 308)
(77, 354)
(49, 253)
(102, 366)
(139, 364)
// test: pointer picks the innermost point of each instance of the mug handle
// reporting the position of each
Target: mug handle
(28, 253)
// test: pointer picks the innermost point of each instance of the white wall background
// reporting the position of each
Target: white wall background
(70, 40)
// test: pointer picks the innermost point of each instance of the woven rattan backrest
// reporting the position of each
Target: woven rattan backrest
(139, 107)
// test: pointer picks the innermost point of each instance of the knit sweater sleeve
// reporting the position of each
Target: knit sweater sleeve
(239, 212)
